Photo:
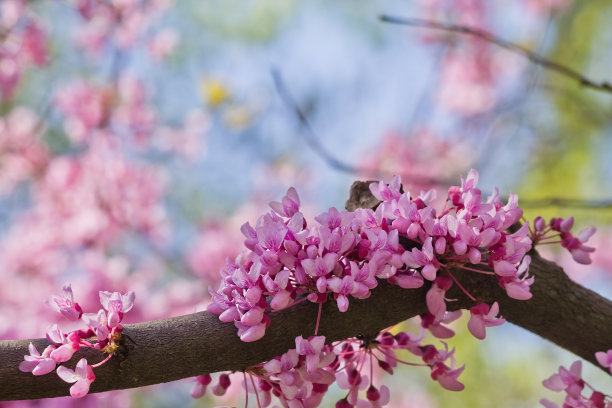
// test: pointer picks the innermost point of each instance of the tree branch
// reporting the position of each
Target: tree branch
(561, 311)
(603, 86)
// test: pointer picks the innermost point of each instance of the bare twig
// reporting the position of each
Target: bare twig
(335, 163)
(605, 204)
(310, 135)
(603, 86)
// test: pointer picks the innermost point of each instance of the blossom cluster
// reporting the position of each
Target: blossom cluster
(571, 382)
(301, 376)
(103, 333)
(558, 231)
(346, 253)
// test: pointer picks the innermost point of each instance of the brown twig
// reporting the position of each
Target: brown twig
(537, 59)
(309, 133)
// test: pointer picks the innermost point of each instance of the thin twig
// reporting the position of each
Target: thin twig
(567, 203)
(310, 136)
(330, 159)
(603, 86)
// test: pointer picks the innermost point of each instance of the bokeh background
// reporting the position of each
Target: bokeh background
(137, 136)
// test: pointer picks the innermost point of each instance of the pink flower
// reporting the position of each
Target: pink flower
(425, 258)
(434, 325)
(65, 304)
(289, 205)
(82, 377)
(222, 385)
(516, 286)
(38, 364)
(98, 323)
(579, 251)
(199, 388)
(387, 192)
(604, 359)
(435, 297)
(116, 304)
(342, 288)
(447, 376)
(569, 381)
(64, 352)
(350, 379)
(375, 398)
(310, 348)
(481, 316)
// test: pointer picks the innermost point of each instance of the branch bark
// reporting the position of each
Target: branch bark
(561, 311)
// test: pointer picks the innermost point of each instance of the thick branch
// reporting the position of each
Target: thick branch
(561, 311)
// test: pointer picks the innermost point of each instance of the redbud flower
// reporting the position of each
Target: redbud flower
(64, 352)
(82, 377)
(65, 304)
(221, 387)
(38, 364)
(539, 224)
(116, 304)
(376, 398)
(568, 380)
(98, 323)
(447, 376)
(604, 359)
(289, 206)
(580, 252)
(199, 388)
(481, 316)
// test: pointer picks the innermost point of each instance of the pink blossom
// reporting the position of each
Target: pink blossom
(82, 377)
(350, 379)
(342, 288)
(375, 398)
(517, 286)
(579, 251)
(311, 349)
(98, 322)
(481, 316)
(199, 388)
(435, 297)
(289, 205)
(423, 258)
(569, 381)
(249, 333)
(447, 376)
(116, 304)
(387, 192)
(36, 363)
(65, 352)
(65, 304)
(604, 359)
(435, 325)
(222, 385)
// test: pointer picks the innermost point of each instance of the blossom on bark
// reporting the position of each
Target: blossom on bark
(82, 377)
(116, 304)
(36, 363)
(482, 316)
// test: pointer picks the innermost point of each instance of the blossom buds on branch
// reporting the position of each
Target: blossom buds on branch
(103, 333)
